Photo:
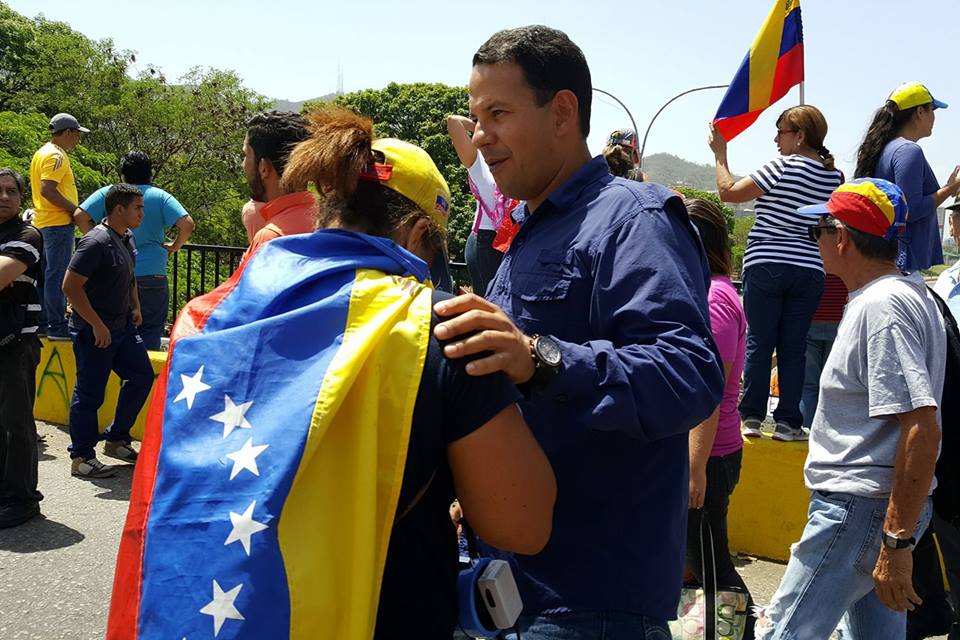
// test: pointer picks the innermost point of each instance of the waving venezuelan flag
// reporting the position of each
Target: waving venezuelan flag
(773, 65)
(269, 475)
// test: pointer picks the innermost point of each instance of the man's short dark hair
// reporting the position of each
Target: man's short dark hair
(17, 178)
(136, 168)
(121, 194)
(550, 61)
(274, 134)
(870, 246)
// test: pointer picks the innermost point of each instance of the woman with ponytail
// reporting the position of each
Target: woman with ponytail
(782, 270)
(890, 151)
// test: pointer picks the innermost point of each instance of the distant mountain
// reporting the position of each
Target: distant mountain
(670, 170)
(290, 105)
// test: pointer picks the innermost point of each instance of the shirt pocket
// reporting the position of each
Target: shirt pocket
(548, 280)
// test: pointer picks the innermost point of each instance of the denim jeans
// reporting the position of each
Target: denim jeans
(154, 305)
(126, 357)
(820, 339)
(482, 259)
(603, 625)
(57, 249)
(829, 577)
(779, 301)
(18, 431)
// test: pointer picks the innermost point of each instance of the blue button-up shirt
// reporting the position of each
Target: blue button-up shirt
(615, 271)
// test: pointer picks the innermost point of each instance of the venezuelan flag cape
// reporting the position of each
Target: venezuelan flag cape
(773, 65)
(275, 445)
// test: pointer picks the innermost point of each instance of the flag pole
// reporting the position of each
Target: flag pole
(802, 82)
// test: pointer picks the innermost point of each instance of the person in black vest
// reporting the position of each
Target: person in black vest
(102, 290)
(20, 249)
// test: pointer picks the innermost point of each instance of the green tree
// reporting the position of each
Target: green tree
(728, 214)
(417, 113)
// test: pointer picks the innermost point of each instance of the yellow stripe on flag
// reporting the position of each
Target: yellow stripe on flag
(765, 53)
(336, 521)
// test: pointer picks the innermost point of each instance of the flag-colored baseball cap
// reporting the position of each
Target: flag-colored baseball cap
(914, 94)
(65, 121)
(871, 205)
(409, 170)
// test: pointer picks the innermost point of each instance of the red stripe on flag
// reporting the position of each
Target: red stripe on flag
(789, 72)
(729, 128)
(122, 623)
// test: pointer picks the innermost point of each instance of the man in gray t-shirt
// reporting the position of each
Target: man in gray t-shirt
(875, 436)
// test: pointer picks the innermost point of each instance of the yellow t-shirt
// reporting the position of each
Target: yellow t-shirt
(51, 162)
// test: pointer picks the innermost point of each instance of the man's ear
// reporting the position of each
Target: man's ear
(265, 169)
(566, 109)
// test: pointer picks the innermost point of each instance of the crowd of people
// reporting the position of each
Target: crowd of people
(586, 404)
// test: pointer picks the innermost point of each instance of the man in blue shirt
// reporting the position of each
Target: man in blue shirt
(160, 212)
(599, 313)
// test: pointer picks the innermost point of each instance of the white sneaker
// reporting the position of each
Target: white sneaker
(750, 428)
(90, 468)
(785, 433)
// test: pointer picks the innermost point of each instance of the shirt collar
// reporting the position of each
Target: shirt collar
(564, 196)
(11, 223)
(297, 199)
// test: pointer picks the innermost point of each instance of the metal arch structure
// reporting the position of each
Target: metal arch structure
(667, 104)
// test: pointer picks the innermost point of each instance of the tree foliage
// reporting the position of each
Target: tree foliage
(417, 113)
(192, 129)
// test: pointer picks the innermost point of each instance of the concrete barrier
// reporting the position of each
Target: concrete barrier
(56, 376)
(767, 511)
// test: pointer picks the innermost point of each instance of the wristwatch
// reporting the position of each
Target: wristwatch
(547, 359)
(891, 541)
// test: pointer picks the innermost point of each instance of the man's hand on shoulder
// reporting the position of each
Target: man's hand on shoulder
(491, 330)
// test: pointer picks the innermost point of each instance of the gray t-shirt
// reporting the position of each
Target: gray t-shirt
(888, 358)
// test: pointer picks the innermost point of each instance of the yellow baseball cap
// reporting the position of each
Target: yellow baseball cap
(409, 170)
(914, 94)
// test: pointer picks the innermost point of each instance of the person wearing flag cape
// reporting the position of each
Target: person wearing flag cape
(307, 434)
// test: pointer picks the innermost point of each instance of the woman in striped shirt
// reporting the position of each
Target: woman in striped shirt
(782, 270)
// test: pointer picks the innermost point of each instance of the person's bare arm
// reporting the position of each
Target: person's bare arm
(48, 188)
(184, 226)
(10, 268)
(505, 483)
(73, 288)
(136, 316)
(728, 188)
(701, 444)
(458, 128)
(83, 220)
(912, 475)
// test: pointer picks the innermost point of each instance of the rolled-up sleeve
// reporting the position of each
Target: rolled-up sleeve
(658, 372)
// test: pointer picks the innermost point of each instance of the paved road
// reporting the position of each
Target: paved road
(56, 572)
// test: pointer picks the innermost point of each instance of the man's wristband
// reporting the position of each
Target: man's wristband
(891, 541)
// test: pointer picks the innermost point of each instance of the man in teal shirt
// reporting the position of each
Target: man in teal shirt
(160, 212)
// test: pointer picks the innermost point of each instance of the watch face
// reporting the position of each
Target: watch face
(548, 351)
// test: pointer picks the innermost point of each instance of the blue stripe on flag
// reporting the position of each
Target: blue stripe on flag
(736, 101)
(792, 31)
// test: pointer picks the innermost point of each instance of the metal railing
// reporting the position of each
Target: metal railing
(199, 268)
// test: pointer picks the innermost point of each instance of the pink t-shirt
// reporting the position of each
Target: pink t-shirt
(729, 326)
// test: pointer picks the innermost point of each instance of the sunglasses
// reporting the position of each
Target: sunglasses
(814, 232)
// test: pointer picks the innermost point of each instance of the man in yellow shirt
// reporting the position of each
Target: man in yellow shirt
(54, 201)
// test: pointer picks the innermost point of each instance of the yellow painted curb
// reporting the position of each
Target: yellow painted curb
(768, 509)
(56, 376)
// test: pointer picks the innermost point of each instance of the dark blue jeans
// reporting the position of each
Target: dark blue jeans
(57, 249)
(482, 259)
(779, 301)
(602, 625)
(154, 304)
(820, 339)
(18, 431)
(126, 357)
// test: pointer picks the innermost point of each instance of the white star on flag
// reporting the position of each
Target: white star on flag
(232, 415)
(221, 607)
(192, 385)
(246, 458)
(244, 526)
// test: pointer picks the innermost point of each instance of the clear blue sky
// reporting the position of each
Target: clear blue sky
(644, 52)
